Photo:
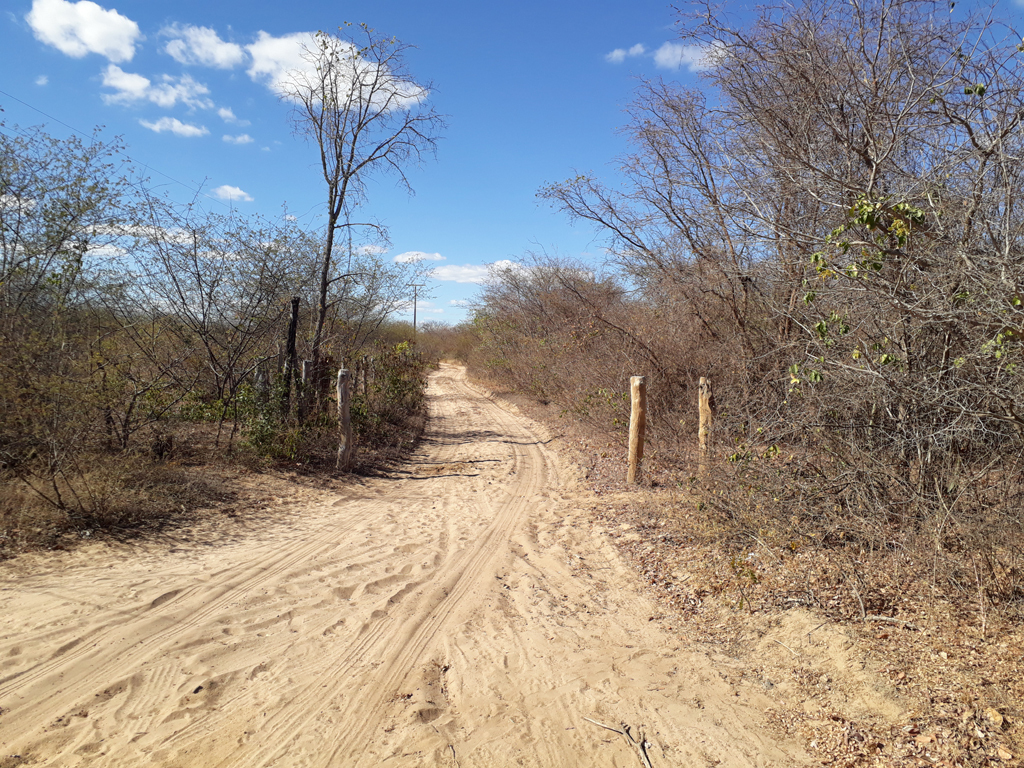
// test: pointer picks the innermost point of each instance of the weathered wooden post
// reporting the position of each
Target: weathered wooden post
(261, 382)
(306, 389)
(637, 426)
(344, 420)
(291, 359)
(706, 405)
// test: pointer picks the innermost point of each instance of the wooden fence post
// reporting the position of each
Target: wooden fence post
(261, 377)
(291, 359)
(306, 389)
(706, 405)
(637, 426)
(344, 420)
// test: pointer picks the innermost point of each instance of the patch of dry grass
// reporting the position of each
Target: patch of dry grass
(116, 495)
(952, 662)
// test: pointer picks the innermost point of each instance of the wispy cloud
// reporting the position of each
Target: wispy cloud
(175, 126)
(130, 87)
(619, 55)
(676, 56)
(78, 29)
(228, 116)
(414, 257)
(227, 192)
(243, 138)
(201, 45)
(42, 80)
(471, 273)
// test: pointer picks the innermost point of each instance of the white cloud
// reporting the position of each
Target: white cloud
(619, 55)
(81, 28)
(175, 126)
(227, 192)
(676, 55)
(276, 59)
(201, 45)
(42, 80)
(371, 250)
(129, 86)
(459, 302)
(106, 251)
(171, 90)
(414, 257)
(243, 138)
(228, 116)
(281, 62)
(17, 203)
(471, 273)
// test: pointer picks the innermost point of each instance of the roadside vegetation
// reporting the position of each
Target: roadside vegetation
(143, 337)
(829, 227)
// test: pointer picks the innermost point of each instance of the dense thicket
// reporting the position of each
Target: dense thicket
(830, 227)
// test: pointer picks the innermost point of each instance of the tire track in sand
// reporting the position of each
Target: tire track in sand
(458, 612)
(392, 648)
(361, 670)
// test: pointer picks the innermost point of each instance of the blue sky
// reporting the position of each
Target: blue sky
(532, 91)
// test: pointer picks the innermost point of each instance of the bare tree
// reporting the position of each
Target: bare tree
(221, 284)
(358, 103)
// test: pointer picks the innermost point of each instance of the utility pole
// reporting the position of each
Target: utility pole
(415, 295)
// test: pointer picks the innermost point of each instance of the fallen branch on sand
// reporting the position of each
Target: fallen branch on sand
(639, 745)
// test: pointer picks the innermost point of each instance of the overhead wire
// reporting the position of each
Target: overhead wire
(146, 166)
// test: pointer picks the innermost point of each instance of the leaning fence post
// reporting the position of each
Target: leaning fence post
(637, 426)
(706, 405)
(344, 420)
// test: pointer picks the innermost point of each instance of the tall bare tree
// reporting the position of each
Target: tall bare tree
(359, 104)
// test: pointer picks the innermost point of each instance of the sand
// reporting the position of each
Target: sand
(462, 612)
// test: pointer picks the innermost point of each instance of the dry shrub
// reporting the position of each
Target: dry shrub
(564, 333)
(950, 657)
(388, 412)
(437, 341)
(869, 528)
(117, 495)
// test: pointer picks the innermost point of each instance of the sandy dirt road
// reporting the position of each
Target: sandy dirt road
(462, 613)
